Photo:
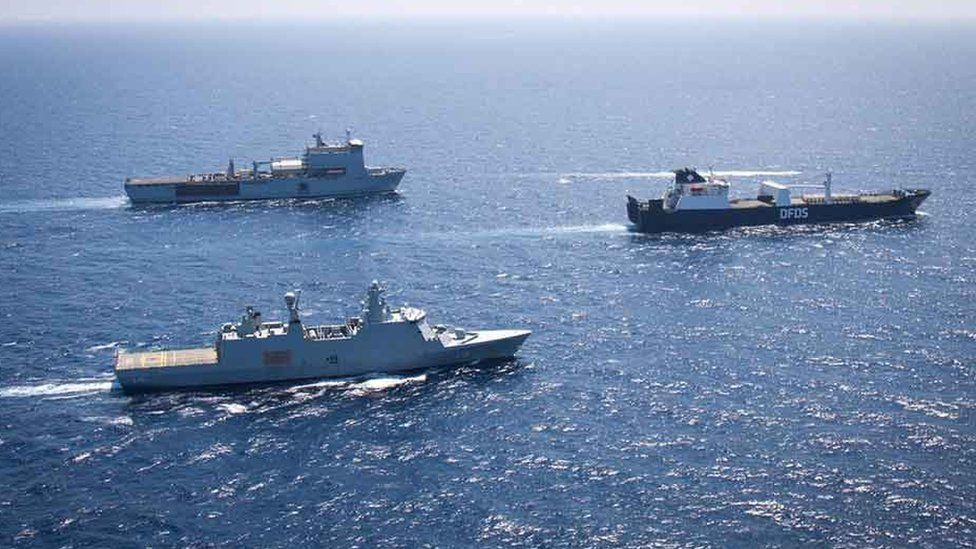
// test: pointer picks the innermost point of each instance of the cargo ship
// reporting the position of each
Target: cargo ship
(695, 203)
(335, 169)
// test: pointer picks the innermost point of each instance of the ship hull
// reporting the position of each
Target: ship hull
(651, 217)
(263, 188)
(321, 360)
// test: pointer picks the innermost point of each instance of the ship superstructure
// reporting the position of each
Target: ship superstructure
(698, 203)
(326, 169)
(381, 339)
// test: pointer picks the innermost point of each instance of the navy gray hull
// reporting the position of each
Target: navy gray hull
(695, 204)
(324, 170)
(252, 351)
(377, 181)
(340, 360)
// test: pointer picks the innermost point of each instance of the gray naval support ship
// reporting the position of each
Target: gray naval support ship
(253, 351)
(694, 203)
(325, 170)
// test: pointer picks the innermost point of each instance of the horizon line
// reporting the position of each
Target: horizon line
(492, 17)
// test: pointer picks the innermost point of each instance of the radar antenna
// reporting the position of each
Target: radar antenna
(291, 302)
(318, 138)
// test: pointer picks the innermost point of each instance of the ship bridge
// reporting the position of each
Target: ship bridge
(331, 159)
(691, 191)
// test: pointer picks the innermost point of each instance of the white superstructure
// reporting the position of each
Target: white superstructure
(690, 191)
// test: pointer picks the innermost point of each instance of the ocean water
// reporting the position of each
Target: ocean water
(771, 387)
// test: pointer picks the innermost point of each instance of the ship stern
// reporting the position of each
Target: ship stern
(633, 209)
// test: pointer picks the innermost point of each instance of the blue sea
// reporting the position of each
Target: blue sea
(761, 387)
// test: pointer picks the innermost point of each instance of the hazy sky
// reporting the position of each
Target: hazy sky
(13, 11)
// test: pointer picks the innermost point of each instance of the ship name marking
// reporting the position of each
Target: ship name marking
(794, 213)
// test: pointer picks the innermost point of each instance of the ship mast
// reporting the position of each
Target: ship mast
(374, 307)
(291, 302)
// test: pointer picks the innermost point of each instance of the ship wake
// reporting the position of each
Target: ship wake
(570, 177)
(606, 228)
(59, 388)
(360, 384)
(64, 204)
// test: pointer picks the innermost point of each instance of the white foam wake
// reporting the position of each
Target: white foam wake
(321, 385)
(63, 204)
(384, 383)
(607, 228)
(105, 346)
(602, 228)
(57, 388)
(669, 174)
(557, 229)
(744, 173)
(232, 408)
(359, 384)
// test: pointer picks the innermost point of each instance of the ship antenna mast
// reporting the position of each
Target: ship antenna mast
(291, 303)
(827, 194)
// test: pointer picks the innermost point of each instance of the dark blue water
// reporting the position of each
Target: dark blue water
(757, 387)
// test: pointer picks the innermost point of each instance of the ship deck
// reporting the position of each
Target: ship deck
(165, 359)
(196, 179)
(878, 198)
(166, 180)
(748, 203)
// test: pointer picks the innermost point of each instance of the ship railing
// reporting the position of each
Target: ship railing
(208, 177)
(837, 198)
(324, 333)
(328, 148)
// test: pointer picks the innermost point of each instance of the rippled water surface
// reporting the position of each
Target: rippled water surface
(755, 387)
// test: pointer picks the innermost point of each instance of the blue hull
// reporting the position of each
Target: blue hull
(651, 217)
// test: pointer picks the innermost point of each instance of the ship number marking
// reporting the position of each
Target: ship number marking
(794, 213)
